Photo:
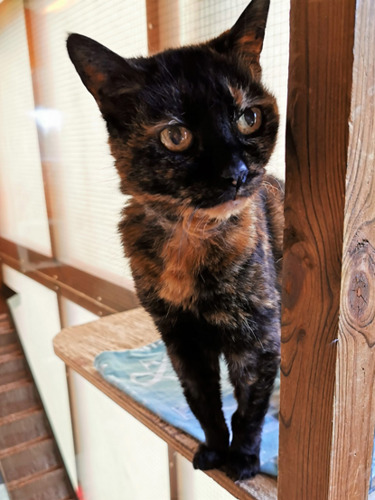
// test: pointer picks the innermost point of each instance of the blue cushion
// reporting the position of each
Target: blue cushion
(146, 374)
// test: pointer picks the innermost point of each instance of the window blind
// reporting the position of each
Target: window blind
(83, 181)
(23, 215)
(86, 199)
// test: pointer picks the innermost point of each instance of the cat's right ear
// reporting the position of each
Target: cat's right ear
(104, 73)
(245, 38)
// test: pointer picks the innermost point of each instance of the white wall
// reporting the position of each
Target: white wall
(196, 485)
(118, 457)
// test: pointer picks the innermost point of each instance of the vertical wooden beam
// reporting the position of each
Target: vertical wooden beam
(328, 331)
(163, 24)
(153, 28)
(32, 16)
(172, 467)
(354, 404)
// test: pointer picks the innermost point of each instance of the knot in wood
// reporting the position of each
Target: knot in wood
(358, 294)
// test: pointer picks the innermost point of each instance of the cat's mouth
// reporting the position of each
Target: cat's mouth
(235, 198)
(228, 208)
(237, 185)
(241, 179)
(245, 185)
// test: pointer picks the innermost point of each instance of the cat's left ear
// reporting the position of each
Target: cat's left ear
(105, 74)
(246, 37)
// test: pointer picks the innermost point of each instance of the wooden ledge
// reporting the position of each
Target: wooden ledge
(78, 346)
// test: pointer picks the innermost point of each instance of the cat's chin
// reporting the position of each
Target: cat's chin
(227, 209)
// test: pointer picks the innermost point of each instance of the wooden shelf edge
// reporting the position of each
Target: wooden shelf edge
(78, 346)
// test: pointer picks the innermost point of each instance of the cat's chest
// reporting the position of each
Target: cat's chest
(191, 263)
(182, 261)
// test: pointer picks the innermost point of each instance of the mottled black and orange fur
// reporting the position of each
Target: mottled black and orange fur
(205, 254)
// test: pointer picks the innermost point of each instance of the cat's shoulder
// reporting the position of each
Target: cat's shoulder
(273, 192)
(273, 188)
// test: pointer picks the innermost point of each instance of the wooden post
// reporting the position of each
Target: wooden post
(327, 413)
(153, 28)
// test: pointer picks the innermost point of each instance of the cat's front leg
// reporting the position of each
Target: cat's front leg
(195, 358)
(252, 373)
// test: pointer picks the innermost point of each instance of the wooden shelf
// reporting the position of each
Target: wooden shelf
(78, 346)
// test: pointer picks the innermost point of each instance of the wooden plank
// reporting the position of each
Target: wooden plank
(91, 292)
(78, 346)
(327, 362)
(354, 405)
(153, 28)
(173, 480)
(36, 69)
(27, 258)
(105, 292)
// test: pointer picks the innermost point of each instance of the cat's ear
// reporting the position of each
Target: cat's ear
(104, 73)
(247, 35)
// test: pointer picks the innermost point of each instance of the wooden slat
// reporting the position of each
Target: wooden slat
(354, 405)
(327, 361)
(33, 483)
(91, 292)
(173, 480)
(78, 346)
(153, 28)
(36, 70)
(27, 259)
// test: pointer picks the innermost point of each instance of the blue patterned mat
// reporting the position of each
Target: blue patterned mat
(146, 374)
(372, 479)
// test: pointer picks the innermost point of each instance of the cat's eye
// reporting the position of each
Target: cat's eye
(176, 138)
(250, 121)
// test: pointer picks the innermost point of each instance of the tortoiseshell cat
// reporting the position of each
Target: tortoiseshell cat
(191, 130)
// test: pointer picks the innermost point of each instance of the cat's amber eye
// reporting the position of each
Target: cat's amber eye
(250, 121)
(176, 138)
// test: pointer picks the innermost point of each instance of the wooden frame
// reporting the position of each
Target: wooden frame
(153, 28)
(327, 414)
(95, 294)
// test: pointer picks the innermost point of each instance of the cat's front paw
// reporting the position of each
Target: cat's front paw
(207, 458)
(240, 466)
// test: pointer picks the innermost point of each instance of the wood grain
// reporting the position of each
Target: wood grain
(91, 292)
(35, 71)
(317, 138)
(354, 404)
(153, 26)
(78, 346)
(327, 363)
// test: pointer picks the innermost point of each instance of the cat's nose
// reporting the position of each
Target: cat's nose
(236, 172)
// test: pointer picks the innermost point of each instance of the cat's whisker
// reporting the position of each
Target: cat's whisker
(190, 219)
(166, 69)
(256, 337)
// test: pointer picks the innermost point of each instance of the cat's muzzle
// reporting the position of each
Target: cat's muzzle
(237, 172)
(241, 180)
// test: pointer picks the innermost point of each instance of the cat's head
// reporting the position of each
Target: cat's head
(192, 126)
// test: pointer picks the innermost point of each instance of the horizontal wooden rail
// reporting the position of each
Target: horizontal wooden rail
(91, 292)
